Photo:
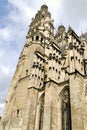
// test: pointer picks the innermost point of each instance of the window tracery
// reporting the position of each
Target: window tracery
(65, 108)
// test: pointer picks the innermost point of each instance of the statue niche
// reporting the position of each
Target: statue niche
(65, 109)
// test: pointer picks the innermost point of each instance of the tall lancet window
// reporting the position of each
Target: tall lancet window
(66, 112)
(41, 112)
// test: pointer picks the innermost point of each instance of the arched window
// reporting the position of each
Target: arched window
(17, 112)
(41, 39)
(26, 72)
(37, 38)
(65, 109)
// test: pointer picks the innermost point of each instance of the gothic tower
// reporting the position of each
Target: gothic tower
(49, 88)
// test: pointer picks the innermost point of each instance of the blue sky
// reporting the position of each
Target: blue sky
(3, 8)
(16, 15)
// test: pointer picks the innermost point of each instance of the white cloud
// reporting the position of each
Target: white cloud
(2, 105)
(1, 108)
(5, 34)
(21, 9)
(5, 70)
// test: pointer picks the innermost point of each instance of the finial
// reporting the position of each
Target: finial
(70, 28)
(44, 6)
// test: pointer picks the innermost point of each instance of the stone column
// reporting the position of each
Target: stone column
(75, 101)
(54, 107)
(37, 117)
(47, 108)
(59, 115)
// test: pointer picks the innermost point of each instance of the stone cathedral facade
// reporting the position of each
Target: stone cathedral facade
(49, 88)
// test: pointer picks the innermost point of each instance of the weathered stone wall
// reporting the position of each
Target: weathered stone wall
(49, 88)
(76, 86)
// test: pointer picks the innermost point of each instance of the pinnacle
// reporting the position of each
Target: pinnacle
(44, 6)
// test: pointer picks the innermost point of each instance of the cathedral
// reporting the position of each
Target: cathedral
(49, 88)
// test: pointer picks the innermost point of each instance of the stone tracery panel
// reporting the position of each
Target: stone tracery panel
(65, 109)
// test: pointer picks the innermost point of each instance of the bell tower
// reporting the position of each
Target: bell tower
(49, 88)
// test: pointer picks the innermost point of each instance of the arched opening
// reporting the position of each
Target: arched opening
(26, 72)
(65, 109)
(37, 38)
(17, 112)
(41, 111)
(41, 39)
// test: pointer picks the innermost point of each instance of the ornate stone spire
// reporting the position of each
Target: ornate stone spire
(42, 22)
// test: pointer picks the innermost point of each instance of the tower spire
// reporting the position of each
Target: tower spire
(49, 87)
